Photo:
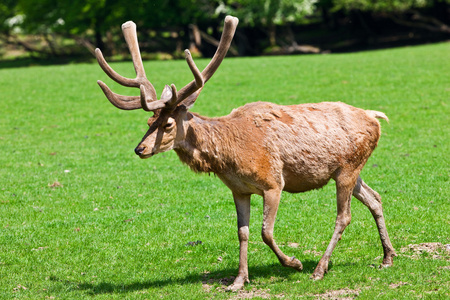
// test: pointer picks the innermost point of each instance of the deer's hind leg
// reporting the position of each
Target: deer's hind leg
(271, 202)
(372, 200)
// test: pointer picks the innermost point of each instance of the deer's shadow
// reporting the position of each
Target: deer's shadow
(223, 277)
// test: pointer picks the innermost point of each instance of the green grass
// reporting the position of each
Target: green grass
(117, 226)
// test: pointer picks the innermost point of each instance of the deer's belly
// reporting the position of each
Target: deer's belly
(296, 186)
(302, 180)
(241, 185)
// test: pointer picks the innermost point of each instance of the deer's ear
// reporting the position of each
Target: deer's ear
(190, 100)
(167, 93)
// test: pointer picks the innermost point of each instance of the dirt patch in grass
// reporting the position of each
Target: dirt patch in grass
(434, 250)
(255, 293)
(293, 245)
(209, 286)
(398, 284)
(55, 184)
(313, 252)
(342, 294)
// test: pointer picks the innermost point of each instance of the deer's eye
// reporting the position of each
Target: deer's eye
(168, 125)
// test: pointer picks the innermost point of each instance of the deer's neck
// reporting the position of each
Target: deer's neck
(207, 143)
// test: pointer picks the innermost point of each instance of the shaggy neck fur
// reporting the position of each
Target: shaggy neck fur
(206, 139)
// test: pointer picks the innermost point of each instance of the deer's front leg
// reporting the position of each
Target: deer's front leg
(344, 189)
(271, 201)
(242, 203)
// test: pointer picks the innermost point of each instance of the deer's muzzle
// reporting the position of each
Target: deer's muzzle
(139, 150)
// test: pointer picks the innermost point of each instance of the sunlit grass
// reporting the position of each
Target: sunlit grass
(83, 217)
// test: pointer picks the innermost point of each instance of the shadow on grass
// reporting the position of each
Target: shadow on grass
(222, 277)
(25, 62)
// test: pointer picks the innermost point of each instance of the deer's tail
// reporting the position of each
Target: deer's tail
(377, 114)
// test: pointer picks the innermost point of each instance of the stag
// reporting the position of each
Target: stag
(261, 148)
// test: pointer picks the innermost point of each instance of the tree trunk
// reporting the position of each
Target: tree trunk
(272, 35)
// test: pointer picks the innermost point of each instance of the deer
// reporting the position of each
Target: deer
(260, 148)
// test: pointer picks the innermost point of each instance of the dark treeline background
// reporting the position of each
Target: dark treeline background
(53, 28)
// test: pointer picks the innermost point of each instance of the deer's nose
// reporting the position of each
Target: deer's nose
(139, 150)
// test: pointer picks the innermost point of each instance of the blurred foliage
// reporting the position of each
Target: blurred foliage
(7, 11)
(96, 23)
(267, 12)
(77, 17)
(385, 5)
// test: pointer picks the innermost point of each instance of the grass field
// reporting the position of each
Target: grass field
(82, 217)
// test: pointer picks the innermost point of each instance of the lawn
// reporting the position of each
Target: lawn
(82, 217)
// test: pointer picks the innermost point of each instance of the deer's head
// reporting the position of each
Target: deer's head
(166, 126)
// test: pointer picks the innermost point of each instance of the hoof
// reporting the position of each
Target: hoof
(237, 284)
(295, 264)
(383, 265)
(316, 276)
(234, 287)
(318, 273)
(387, 262)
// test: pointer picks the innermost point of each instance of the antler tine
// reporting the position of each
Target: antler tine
(111, 73)
(120, 101)
(130, 34)
(199, 82)
(201, 78)
(128, 102)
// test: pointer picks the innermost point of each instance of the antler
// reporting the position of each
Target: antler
(170, 98)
